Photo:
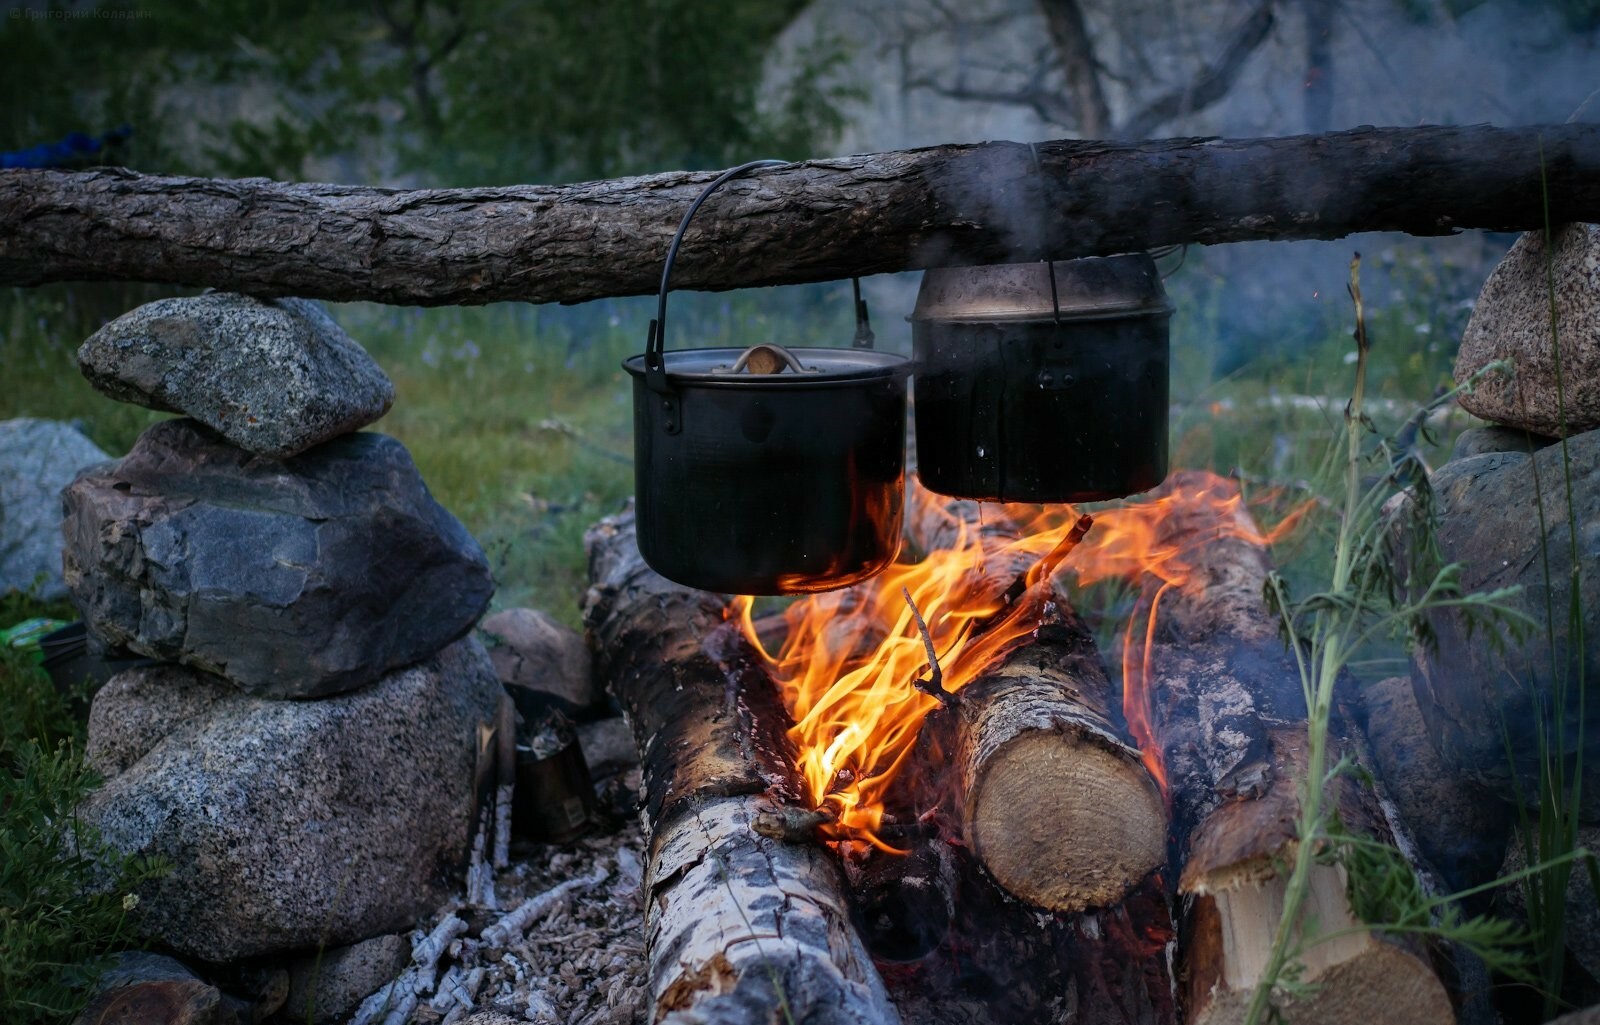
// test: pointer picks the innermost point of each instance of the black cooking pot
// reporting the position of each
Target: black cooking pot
(767, 470)
(1042, 382)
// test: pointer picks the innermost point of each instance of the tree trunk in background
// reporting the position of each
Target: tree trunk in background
(1070, 33)
(1319, 63)
(815, 221)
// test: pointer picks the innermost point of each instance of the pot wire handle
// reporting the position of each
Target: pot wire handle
(655, 364)
(864, 338)
(1049, 256)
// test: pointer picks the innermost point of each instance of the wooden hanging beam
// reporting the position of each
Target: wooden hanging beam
(813, 221)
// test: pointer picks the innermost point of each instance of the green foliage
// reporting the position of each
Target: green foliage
(1385, 893)
(1553, 836)
(1370, 594)
(446, 91)
(65, 897)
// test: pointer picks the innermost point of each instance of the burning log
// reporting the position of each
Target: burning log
(1054, 803)
(1223, 702)
(740, 926)
(1052, 800)
(815, 221)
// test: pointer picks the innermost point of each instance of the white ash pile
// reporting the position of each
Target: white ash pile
(567, 948)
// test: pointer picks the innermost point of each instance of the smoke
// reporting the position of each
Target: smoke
(1387, 62)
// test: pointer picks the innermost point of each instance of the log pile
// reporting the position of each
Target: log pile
(1043, 874)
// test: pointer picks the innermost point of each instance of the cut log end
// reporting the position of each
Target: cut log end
(1355, 979)
(1062, 822)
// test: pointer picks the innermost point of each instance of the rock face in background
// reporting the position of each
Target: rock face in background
(37, 459)
(539, 659)
(1512, 319)
(273, 376)
(1467, 690)
(292, 578)
(289, 823)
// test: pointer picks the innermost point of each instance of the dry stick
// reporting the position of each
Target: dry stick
(510, 928)
(505, 768)
(1051, 797)
(1228, 712)
(821, 220)
(933, 686)
(739, 927)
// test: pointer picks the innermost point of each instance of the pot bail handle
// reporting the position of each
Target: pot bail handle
(864, 338)
(1049, 257)
(655, 364)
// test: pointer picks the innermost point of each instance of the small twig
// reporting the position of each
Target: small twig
(1045, 567)
(933, 686)
(430, 948)
(513, 925)
(792, 825)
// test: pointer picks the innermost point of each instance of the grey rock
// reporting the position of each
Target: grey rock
(273, 376)
(293, 578)
(1512, 319)
(1461, 831)
(1477, 441)
(258, 989)
(153, 989)
(540, 661)
(37, 459)
(332, 987)
(291, 823)
(1481, 698)
(1582, 907)
(607, 747)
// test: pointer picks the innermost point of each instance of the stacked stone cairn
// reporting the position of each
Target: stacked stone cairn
(305, 750)
(1482, 698)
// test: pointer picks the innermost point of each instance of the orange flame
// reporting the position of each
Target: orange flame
(850, 661)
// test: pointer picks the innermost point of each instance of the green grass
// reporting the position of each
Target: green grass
(519, 418)
(64, 895)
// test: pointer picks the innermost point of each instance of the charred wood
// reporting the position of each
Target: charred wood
(1227, 710)
(739, 927)
(818, 220)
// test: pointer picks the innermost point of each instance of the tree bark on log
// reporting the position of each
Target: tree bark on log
(1052, 799)
(818, 220)
(739, 927)
(1227, 709)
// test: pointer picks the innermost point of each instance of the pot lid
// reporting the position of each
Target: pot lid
(1087, 289)
(810, 367)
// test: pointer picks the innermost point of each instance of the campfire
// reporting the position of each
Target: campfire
(981, 590)
(925, 795)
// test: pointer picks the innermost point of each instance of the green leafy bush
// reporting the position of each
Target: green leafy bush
(65, 897)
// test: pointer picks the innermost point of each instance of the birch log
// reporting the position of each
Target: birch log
(820, 220)
(1228, 712)
(1053, 799)
(739, 927)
